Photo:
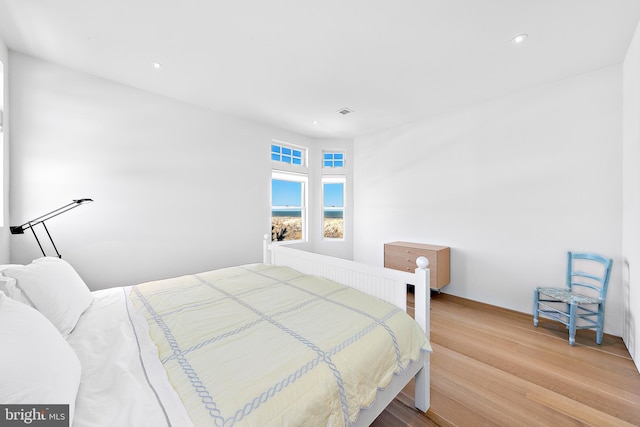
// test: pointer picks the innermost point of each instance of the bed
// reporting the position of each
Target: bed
(299, 339)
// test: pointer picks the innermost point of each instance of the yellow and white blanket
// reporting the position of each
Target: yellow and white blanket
(258, 345)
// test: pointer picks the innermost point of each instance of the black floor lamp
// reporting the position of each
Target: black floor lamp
(19, 229)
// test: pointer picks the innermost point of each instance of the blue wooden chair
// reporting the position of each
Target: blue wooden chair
(582, 300)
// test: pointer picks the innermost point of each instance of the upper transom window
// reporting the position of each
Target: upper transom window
(288, 154)
(333, 159)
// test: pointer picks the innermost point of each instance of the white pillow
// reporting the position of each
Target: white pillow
(9, 286)
(55, 289)
(38, 365)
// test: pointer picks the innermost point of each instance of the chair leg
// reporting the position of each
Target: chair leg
(572, 324)
(600, 327)
(536, 296)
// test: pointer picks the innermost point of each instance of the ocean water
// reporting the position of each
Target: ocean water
(298, 213)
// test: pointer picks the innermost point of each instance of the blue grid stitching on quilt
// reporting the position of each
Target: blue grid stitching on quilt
(279, 386)
(242, 328)
(362, 333)
(204, 303)
(248, 407)
(198, 386)
(382, 323)
(212, 340)
(271, 391)
(172, 290)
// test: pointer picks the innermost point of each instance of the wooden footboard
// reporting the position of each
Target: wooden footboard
(386, 284)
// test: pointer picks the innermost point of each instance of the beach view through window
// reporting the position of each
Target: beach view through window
(333, 210)
(286, 210)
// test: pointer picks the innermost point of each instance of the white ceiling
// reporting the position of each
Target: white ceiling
(290, 62)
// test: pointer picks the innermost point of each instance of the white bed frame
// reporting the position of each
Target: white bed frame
(389, 285)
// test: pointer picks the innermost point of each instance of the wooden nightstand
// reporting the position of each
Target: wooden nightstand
(402, 256)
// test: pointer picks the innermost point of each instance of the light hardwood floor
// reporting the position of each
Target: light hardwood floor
(492, 367)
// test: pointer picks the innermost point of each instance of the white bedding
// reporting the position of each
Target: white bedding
(125, 383)
(128, 386)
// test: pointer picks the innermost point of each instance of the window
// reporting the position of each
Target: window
(288, 154)
(2, 171)
(288, 206)
(333, 207)
(332, 159)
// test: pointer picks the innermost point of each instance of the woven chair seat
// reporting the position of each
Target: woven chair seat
(568, 297)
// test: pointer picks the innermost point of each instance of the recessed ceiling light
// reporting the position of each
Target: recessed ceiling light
(345, 111)
(519, 39)
(156, 65)
(315, 122)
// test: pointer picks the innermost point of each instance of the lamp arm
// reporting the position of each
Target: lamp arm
(50, 239)
(38, 240)
(41, 219)
(19, 229)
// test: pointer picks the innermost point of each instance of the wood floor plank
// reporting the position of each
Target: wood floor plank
(584, 413)
(535, 365)
(492, 367)
(399, 414)
(528, 336)
(593, 384)
(498, 395)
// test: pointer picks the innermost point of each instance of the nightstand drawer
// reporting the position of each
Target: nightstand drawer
(402, 256)
(400, 261)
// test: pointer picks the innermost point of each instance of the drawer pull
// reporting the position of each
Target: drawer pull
(408, 259)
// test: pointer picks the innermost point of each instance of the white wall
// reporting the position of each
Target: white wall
(510, 185)
(631, 197)
(177, 188)
(4, 156)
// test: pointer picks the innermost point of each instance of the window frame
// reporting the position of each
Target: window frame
(303, 179)
(293, 148)
(332, 160)
(3, 140)
(334, 179)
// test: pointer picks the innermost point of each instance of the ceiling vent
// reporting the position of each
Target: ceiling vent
(345, 111)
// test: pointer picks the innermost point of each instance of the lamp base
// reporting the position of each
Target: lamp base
(17, 229)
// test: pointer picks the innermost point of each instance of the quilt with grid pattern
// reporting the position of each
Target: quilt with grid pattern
(260, 345)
